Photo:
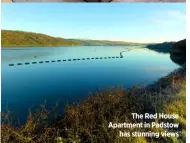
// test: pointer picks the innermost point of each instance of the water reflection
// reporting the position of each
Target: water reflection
(66, 82)
(179, 59)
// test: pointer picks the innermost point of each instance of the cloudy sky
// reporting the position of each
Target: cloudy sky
(132, 22)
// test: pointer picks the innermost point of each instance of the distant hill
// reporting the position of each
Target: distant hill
(178, 52)
(161, 47)
(11, 38)
(179, 47)
(105, 43)
(20, 38)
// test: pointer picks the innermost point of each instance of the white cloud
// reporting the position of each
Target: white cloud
(170, 17)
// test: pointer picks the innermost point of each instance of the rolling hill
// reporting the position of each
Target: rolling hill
(28, 39)
(11, 38)
(105, 43)
(178, 52)
(161, 47)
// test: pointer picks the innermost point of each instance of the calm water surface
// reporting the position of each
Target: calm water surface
(27, 86)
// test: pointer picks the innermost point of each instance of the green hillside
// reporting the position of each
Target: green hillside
(11, 38)
(20, 38)
(105, 43)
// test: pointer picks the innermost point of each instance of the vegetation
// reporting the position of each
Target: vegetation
(11, 38)
(178, 52)
(161, 47)
(87, 121)
(105, 43)
(27, 39)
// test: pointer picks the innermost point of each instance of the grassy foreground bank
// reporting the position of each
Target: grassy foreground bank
(87, 121)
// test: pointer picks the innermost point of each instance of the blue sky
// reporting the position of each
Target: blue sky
(132, 22)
